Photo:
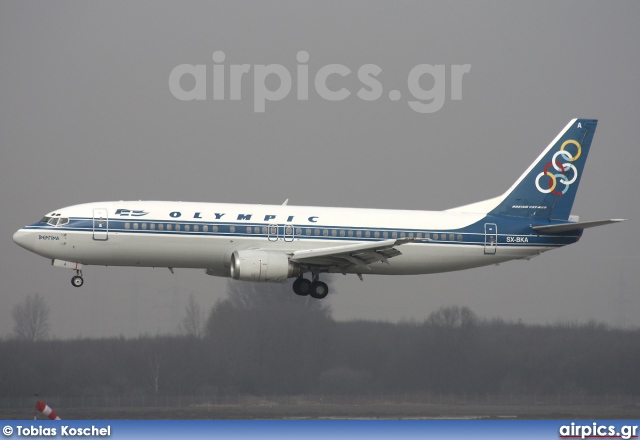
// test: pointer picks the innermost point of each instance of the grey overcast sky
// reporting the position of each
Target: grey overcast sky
(86, 114)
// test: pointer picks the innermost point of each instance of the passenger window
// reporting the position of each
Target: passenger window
(308, 231)
(418, 234)
(350, 233)
(450, 237)
(127, 225)
(341, 232)
(135, 226)
(298, 231)
(187, 228)
(205, 228)
(325, 232)
(196, 228)
(152, 226)
(144, 226)
(316, 232)
(376, 234)
(367, 234)
(249, 229)
(459, 237)
(385, 234)
(169, 226)
(160, 226)
(410, 234)
(394, 234)
(334, 232)
(232, 229)
(358, 233)
(214, 228)
(177, 227)
(264, 229)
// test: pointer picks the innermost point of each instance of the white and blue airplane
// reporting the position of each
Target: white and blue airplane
(271, 243)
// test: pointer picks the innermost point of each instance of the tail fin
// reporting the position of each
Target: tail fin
(548, 187)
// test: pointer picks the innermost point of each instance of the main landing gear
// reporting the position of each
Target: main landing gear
(77, 281)
(316, 288)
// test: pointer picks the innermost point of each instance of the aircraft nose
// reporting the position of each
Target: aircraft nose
(24, 239)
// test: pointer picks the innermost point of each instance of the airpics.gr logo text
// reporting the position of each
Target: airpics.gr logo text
(227, 82)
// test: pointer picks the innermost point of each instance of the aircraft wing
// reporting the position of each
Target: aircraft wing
(361, 254)
(556, 229)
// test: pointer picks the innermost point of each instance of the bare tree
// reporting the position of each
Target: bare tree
(31, 318)
(154, 363)
(453, 317)
(192, 323)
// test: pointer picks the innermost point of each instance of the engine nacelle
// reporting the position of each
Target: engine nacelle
(271, 267)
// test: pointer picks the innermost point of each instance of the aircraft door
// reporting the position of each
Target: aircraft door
(273, 232)
(100, 224)
(490, 238)
(288, 232)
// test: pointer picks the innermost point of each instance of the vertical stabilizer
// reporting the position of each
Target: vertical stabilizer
(548, 187)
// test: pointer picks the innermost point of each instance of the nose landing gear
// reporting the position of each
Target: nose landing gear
(77, 281)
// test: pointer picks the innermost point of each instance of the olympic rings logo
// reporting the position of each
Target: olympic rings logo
(564, 170)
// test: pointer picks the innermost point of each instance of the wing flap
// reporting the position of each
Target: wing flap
(360, 254)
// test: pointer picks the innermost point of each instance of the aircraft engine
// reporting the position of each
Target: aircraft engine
(272, 267)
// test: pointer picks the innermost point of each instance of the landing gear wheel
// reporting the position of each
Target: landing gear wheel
(319, 290)
(77, 281)
(302, 286)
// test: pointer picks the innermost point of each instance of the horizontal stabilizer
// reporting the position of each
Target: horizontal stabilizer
(556, 229)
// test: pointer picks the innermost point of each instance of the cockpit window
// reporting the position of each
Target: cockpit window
(56, 221)
(45, 219)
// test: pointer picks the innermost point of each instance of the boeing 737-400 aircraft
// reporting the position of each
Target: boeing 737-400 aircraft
(271, 243)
